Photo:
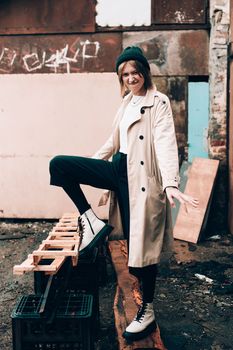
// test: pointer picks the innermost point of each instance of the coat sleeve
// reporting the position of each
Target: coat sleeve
(106, 151)
(165, 143)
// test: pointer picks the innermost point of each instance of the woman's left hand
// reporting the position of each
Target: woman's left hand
(185, 199)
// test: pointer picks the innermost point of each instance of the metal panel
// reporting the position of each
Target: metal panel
(46, 16)
(176, 89)
(179, 11)
(198, 118)
(59, 53)
(173, 52)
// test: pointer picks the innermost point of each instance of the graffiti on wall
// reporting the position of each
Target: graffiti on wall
(70, 58)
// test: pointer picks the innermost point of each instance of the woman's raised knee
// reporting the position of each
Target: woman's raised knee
(56, 163)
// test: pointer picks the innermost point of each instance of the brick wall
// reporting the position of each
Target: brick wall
(218, 128)
(219, 36)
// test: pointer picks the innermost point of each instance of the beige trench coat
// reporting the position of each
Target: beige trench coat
(152, 165)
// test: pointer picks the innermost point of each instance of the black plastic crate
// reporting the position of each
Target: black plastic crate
(71, 327)
(84, 276)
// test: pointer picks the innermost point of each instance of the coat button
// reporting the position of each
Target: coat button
(141, 137)
(141, 162)
(142, 110)
(143, 189)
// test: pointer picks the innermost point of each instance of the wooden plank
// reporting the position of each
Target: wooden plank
(28, 266)
(53, 253)
(60, 242)
(61, 237)
(201, 178)
(127, 299)
(74, 259)
(65, 229)
(65, 234)
(64, 224)
(67, 241)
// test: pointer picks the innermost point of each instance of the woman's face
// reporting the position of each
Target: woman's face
(133, 80)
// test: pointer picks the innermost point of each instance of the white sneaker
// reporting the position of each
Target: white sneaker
(142, 325)
(91, 230)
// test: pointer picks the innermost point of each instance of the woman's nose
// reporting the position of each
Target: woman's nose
(131, 78)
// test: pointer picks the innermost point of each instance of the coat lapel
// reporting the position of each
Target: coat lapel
(148, 102)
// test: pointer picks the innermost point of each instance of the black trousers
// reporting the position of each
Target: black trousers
(69, 172)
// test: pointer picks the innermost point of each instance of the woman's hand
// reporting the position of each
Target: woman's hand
(173, 192)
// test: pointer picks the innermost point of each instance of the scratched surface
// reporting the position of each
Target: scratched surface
(179, 11)
(59, 53)
(46, 16)
(173, 52)
(176, 88)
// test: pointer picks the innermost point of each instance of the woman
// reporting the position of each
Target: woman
(143, 177)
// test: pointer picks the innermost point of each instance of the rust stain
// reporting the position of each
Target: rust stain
(194, 52)
(176, 11)
(156, 50)
(47, 16)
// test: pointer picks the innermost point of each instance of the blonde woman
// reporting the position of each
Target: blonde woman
(143, 178)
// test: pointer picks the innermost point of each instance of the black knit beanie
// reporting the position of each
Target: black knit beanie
(132, 53)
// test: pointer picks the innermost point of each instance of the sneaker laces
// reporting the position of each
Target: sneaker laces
(141, 313)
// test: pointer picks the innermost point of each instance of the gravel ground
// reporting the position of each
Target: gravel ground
(194, 313)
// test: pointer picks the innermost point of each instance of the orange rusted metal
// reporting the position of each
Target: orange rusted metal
(47, 16)
(179, 11)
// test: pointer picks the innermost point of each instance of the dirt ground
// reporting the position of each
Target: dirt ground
(193, 299)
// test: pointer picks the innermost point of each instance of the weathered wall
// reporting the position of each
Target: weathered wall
(176, 88)
(43, 115)
(174, 57)
(218, 123)
(177, 46)
(59, 53)
(219, 37)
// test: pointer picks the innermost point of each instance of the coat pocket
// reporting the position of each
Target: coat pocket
(155, 189)
(156, 209)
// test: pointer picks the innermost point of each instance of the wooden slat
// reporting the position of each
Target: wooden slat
(64, 236)
(127, 299)
(28, 266)
(65, 229)
(60, 242)
(54, 253)
(201, 178)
